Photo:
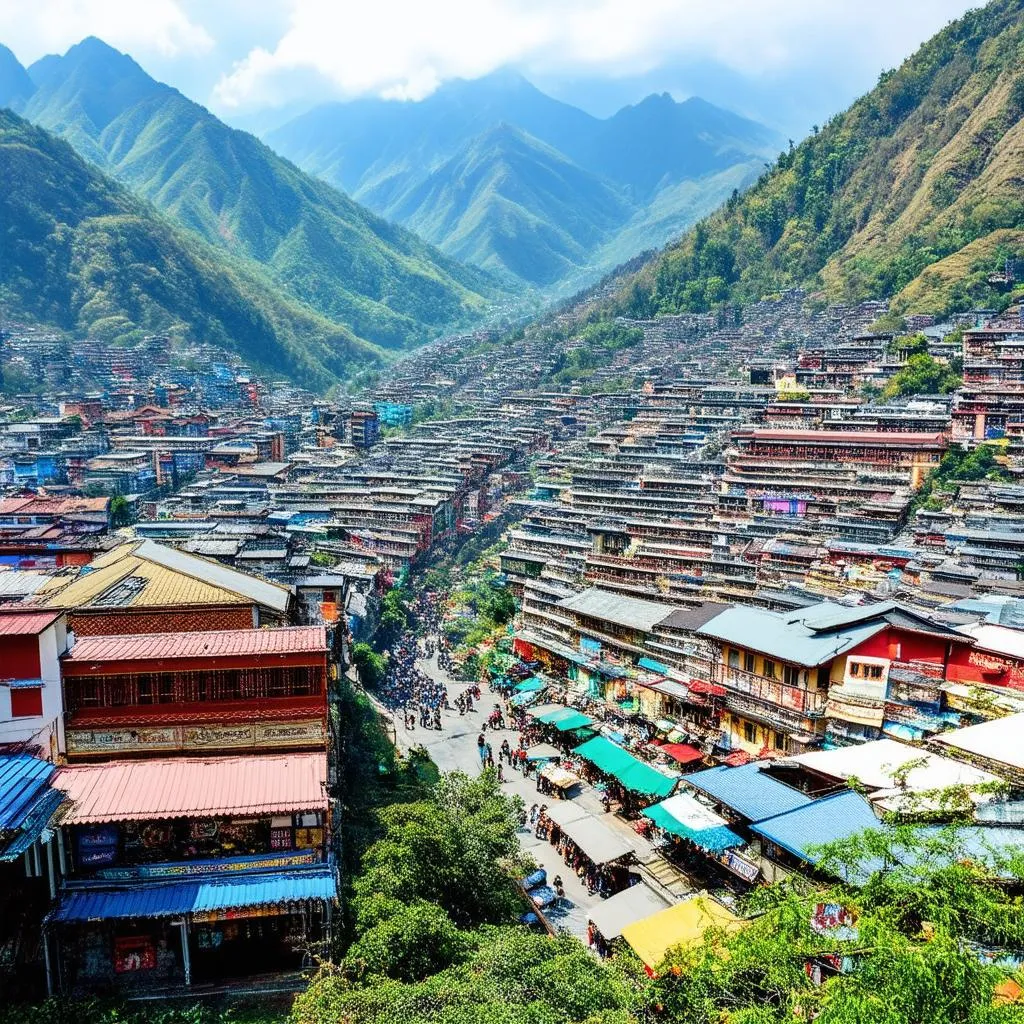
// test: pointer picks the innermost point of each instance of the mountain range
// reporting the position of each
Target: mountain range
(377, 280)
(82, 253)
(499, 174)
(916, 192)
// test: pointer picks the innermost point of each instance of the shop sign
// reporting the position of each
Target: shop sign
(134, 953)
(237, 913)
(834, 921)
(225, 866)
(739, 865)
(188, 737)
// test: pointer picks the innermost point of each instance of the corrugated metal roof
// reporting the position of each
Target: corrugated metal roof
(624, 611)
(193, 787)
(172, 899)
(780, 637)
(33, 823)
(22, 778)
(212, 644)
(818, 823)
(748, 791)
(169, 578)
(25, 623)
(260, 591)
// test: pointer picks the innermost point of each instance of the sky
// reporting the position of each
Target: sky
(790, 63)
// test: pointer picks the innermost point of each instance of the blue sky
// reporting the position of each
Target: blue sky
(790, 63)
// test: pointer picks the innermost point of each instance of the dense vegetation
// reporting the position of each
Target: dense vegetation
(913, 192)
(959, 464)
(502, 176)
(83, 254)
(380, 281)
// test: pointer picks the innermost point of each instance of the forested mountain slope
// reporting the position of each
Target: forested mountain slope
(916, 191)
(82, 253)
(376, 278)
(481, 168)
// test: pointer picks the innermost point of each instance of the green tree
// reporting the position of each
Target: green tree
(370, 666)
(922, 375)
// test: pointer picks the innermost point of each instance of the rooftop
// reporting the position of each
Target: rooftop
(212, 644)
(192, 787)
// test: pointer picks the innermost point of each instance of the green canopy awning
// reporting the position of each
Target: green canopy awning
(574, 720)
(531, 684)
(634, 774)
(603, 754)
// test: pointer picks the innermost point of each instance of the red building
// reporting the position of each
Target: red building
(257, 690)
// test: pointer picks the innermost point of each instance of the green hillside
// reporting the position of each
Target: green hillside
(511, 204)
(499, 175)
(928, 165)
(83, 254)
(380, 280)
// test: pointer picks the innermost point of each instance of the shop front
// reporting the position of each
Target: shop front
(203, 923)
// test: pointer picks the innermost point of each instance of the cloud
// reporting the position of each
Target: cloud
(160, 27)
(406, 48)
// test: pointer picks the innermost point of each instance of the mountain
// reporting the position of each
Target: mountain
(509, 203)
(82, 253)
(373, 277)
(660, 142)
(915, 192)
(15, 85)
(404, 160)
(369, 146)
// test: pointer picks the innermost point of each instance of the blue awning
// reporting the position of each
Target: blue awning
(33, 824)
(175, 899)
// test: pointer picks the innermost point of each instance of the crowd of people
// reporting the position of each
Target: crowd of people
(409, 689)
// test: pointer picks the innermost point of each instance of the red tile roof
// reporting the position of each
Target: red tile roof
(215, 644)
(26, 623)
(192, 787)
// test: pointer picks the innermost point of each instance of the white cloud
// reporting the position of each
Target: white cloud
(37, 27)
(405, 48)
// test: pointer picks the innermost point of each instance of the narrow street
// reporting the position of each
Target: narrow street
(454, 748)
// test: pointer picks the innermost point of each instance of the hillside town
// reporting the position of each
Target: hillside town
(763, 600)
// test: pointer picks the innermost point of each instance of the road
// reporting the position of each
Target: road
(454, 748)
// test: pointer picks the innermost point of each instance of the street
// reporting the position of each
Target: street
(454, 748)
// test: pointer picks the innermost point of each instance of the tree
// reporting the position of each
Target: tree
(120, 511)
(922, 375)
(370, 666)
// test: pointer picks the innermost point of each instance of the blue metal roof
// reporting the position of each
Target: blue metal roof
(792, 637)
(173, 899)
(748, 791)
(822, 821)
(22, 776)
(33, 824)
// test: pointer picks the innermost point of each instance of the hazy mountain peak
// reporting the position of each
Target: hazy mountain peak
(15, 84)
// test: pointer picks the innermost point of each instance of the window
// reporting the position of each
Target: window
(750, 732)
(734, 658)
(769, 668)
(854, 669)
(874, 671)
(748, 662)
(791, 675)
(779, 740)
(26, 702)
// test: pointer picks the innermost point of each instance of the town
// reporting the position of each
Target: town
(765, 598)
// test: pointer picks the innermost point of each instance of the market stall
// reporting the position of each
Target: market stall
(681, 925)
(608, 919)
(561, 780)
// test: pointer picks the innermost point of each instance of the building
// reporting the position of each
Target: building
(31, 707)
(190, 871)
(256, 690)
(146, 587)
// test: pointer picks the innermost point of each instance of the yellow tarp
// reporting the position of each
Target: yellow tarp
(682, 925)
